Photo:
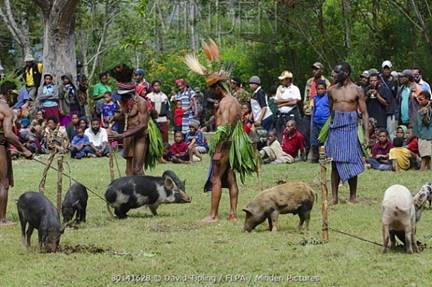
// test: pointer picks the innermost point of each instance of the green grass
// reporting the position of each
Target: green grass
(176, 243)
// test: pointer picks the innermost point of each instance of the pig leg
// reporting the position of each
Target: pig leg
(408, 239)
(121, 212)
(270, 223)
(29, 234)
(386, 237)
(274, 218)
(392, 240)
(153, 209)
(23, 227)
(414, 239)
(83, 214)
(304, 218)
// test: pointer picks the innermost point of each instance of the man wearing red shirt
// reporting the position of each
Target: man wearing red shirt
(293, 141)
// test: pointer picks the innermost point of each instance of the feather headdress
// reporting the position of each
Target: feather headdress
(216, 71)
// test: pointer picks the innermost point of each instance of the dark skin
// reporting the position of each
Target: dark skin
(228, 112)
(138, 118)
(373, 91)
(97, 150)
(382, 139)
(6, 117)
(426, 160)
(286, 103)
(345, 96)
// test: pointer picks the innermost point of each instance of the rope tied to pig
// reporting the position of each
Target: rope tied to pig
(355, 236)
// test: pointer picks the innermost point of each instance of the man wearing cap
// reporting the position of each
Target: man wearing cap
(32, 75)
(406, 99)
(390, 83)
(287, 96)
(342, 143)
(309, 94)
(237, 90)
(142, 86)
(262, 114)
(7, 137)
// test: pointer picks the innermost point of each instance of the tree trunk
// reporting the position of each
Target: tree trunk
(346, 12)
(59, 55)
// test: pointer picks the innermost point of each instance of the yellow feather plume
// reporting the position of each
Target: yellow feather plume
(206, 50)
(193, 63)
(214, 50)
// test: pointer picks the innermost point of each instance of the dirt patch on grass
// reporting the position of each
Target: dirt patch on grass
(93, 249)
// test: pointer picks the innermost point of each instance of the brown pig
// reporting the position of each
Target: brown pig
(291, 197)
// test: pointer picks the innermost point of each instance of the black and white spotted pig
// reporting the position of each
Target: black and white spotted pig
(130, 192)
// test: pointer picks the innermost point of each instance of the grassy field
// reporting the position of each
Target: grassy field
(177, 250)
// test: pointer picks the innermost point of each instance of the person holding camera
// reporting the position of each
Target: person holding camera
(377, 100)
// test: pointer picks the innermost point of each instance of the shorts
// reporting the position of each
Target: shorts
(425, 147)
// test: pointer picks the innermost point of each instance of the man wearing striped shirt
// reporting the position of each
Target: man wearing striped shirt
(343, 145)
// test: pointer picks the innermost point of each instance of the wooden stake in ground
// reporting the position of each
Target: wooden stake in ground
(59, 182)
(324, 194)
(111, 162)
(45, 173)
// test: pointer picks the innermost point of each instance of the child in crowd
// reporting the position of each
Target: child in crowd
(27, 136)
(55, 138)
(108, 110)
(422, 129)
(380, 152)
(273, 153)
(72, 127)
(197, 143)
(320, 114)
(247, 118)
(178, 116)
(179, 149)
(400, 156)
(372, 131)
(80, 145)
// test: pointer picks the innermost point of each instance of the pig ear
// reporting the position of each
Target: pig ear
(169, 183)
(248, 211)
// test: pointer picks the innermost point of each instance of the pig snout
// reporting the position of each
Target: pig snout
(182, 197)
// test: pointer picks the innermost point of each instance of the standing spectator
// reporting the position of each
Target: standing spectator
(293, 141)
(142, 87)
(419, 80)
(407, 99)
(98, 138)
(83, 95)
(364, 81)
(287, 96)
(309, 93)
(80, 145)
(320, 114)
(197, 104)
(377, 101)
(238, 91)
(178, 117)
(389, 82)
(184, 95)
(259, 104)
(423, 130)
(161, 105)
(99, 90)
(380, 152)
(72, 127)
(69, 102)
(32, 75)
(48, 98)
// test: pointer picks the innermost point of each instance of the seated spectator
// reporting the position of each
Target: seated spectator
(109, 108)
(380, 152)
(273, 153)
(179, 150)
(400, 156)
(83, 124)
(72, 127)
(178, 116)
(293, 141)
(372, 131)
(401, 132)
(165, 153)
(27, 136)
(98, 138)
(80, 145)
(55, 137)
(197, 143)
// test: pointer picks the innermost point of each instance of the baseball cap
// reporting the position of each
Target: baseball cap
(255, 80)
(139, 72)
(365, 74)
(318, 65)
(406, 73)
(386, 63)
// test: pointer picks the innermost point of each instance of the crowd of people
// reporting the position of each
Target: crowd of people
(70, 116)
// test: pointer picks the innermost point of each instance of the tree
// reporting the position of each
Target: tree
(59, 56)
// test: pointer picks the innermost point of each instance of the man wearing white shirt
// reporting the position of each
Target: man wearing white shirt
(287, 96)
(98, 138)
(262, 114)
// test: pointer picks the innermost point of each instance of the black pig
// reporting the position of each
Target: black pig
(36, 210)
(75, 201)
(130, 192)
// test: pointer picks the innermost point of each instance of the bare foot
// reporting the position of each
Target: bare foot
(232, 217)
(6, 222)
(335, 201)
(353, 200)
(209, 219)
